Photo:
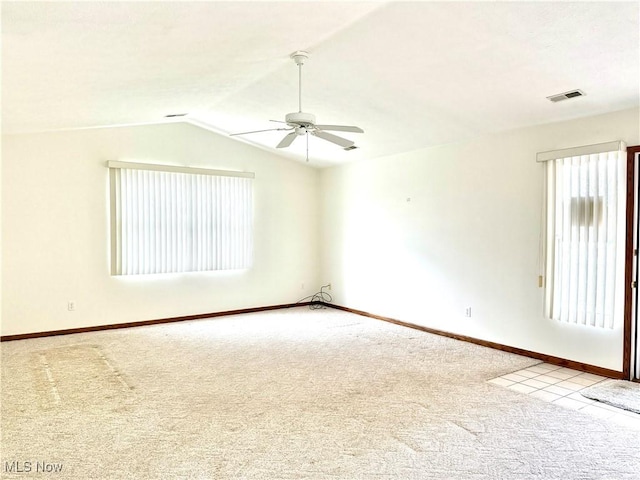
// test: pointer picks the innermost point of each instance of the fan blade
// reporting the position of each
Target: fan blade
(258, 131)
(277, 121)
(343, 142)
(287, 140)
(340, 128)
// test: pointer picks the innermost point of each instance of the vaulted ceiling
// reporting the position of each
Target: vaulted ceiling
(411, 74)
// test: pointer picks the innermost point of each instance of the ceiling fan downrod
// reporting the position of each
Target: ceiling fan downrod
(299, 57)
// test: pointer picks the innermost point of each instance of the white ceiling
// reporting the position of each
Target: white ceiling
(411, 74)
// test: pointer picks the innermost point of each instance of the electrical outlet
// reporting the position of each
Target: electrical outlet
(467, 312)
(302, 286)
(71, 306)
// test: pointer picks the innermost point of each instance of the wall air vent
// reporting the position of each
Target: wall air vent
(352, 147)
(566, 95)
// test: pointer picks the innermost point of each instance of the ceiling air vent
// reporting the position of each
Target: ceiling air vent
(352, 147)
(566, 95)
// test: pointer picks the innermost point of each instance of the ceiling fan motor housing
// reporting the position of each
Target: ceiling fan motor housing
(300, 119)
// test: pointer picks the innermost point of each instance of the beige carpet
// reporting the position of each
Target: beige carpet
(290, 394)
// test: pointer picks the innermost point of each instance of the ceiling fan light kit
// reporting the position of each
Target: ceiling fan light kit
(301, 123)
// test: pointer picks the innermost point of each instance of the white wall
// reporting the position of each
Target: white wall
(56, 238)
(421, 236)
(467, 237)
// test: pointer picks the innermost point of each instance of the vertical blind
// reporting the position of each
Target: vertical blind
(167, 219)
(585, 240)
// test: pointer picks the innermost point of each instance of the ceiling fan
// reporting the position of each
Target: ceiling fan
(300, 123)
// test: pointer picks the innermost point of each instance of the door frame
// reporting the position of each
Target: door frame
(630, 255)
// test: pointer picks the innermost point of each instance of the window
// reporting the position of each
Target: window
(172, 219)
(585, 234)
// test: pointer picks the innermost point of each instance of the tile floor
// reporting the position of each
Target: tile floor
(562, 386)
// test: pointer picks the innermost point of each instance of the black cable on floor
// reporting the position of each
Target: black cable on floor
(318, 299)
